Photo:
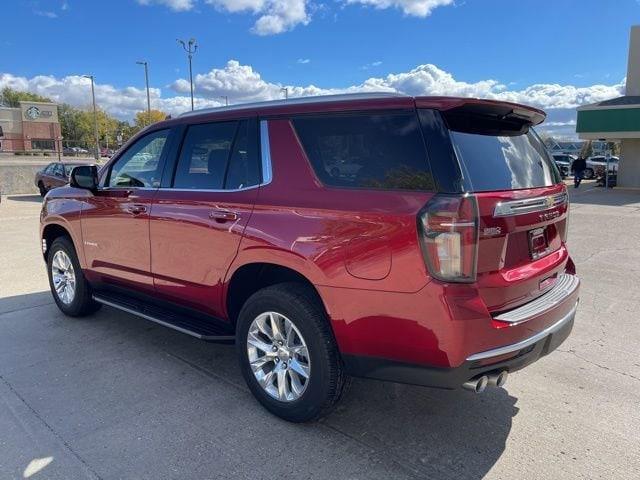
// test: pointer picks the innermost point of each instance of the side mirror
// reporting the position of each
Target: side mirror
(84, 176)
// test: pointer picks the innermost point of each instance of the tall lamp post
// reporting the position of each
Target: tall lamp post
(190, 47)
(146, 80)
(285, 90)
(226, 99)
(95, 116)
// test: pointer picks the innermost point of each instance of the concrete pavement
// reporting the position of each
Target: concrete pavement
(114, 396)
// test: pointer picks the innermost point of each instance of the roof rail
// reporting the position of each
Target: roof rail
(297, 101)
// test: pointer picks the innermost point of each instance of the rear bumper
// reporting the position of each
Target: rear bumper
(510, 357)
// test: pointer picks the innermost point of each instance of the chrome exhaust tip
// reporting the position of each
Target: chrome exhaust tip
(498, 379)
(477, 384)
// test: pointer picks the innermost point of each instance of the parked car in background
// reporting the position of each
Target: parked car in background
(106, 152)
(56, 174)
(236, 225)
(599, 163)
(564, 162)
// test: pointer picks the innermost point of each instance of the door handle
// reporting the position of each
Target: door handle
(222, 216)
(137, 209)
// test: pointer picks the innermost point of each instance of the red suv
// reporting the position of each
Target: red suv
(417, 240)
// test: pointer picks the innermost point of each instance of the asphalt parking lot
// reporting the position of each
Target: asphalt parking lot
(114, 396)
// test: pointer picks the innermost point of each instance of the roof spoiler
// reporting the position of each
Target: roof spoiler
(507, 111)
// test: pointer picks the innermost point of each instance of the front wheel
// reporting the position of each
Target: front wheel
(70, 290)
(287, 353)
(43, 190)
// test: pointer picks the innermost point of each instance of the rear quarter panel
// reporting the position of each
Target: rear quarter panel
(361, 239)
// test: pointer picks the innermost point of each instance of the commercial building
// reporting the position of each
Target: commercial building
(31, 126)
(618, 119)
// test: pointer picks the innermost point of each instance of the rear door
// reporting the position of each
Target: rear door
(199, 216)
(522, 203)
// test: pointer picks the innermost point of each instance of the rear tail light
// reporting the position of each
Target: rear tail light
(565, 231)
(448, 227)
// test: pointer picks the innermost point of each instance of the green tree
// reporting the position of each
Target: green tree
(11, 98)
(142, 118)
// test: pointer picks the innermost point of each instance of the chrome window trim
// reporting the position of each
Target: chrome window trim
(265, 152)
(514, 347)
(209, 190)
(530, 205)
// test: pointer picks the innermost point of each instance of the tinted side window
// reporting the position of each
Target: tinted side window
(204, 156)
(50, 169)
(381, 151)
(139, 166)
(58, 170)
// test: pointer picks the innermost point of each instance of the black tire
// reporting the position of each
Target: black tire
(327, 379)
(43, 191)
(82, 303)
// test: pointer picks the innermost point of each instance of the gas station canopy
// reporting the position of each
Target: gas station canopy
(613, 119)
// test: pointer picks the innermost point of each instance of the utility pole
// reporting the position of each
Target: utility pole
(146, 80)
(190, 47)
(285, 90)
(95, 116)
(226, 99)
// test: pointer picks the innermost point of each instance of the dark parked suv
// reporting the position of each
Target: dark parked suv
(417, 240)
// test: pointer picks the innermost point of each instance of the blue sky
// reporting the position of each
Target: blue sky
(471, 47)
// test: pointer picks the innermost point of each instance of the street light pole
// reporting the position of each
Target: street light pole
(190, 47)
(95, 116)
(285, 90)
(226, 99)
(146, 80)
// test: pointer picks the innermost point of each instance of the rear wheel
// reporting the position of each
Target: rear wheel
(71, 291)
(287, 353)
(43, 191)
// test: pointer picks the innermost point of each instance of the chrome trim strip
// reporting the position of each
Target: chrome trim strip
(297, 101)
(208, 190)
(98, 299)
(265, 152)
(514, 347)
(565, 285)
(529, 205)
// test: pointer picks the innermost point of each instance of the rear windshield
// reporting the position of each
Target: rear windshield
(503, 162)
(377, 151)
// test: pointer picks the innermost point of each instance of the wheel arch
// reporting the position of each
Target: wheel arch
(51, 232)
(251, 277)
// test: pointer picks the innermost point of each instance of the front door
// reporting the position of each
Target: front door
(198, 220)
(115, 220)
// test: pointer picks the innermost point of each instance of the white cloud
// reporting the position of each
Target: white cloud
(241, 83)
(304, 61)
(275, 16)
(177, 5)
(278, 16)
(416, 8)
(45, 13)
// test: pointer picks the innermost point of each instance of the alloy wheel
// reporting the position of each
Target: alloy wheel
(64, 277)
(278, 356)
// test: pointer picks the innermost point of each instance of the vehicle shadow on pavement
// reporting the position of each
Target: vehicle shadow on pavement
(118, 376)
(25, 198)
(434, 433)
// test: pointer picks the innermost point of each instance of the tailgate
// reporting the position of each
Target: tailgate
(521, 244)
